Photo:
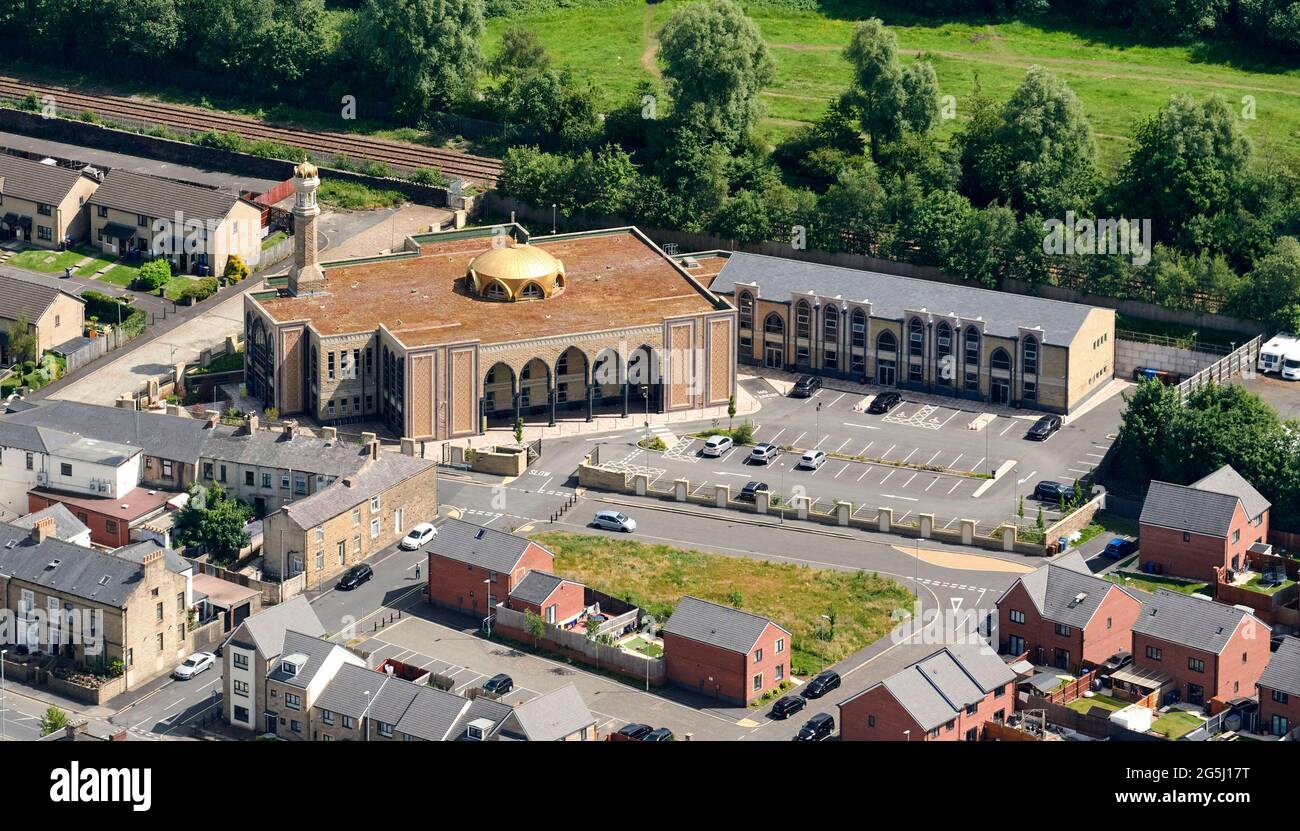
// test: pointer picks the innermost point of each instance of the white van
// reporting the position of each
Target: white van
(1291, 364)
(1273, 353)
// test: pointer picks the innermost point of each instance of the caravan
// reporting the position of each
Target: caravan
(1273, 353)
(1291, 363)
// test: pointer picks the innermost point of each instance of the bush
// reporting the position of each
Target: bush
(153, 276)
(236, 269)
(198, 290)
(427, 176)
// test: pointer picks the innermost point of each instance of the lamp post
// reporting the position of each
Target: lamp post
(818, 426)
(487, 600)
(365, 715)
(822, 652)
(4, 699)
(645, 443)
(552, 219)
(908, 733)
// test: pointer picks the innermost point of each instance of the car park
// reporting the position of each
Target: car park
(499, 684)
(659, 734)
(1120, 547)
(751, 490)
(614, 521)
(884, 402)
(193, 665)
(822, 683)
(812, 459)
(764, 453)
(788, 705)
(418, 536)
(635, 732)
(1044, 428)
(355, 576)
(717, 446)
(806, 386)
(1049, 491)
(816, 729)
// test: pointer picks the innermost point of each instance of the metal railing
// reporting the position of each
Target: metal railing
(1241, 361)
(1178, 343)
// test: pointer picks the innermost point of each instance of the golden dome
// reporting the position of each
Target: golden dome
(306, 170)
(516, 272)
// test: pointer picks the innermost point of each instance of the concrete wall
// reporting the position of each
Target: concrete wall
(1130, 355)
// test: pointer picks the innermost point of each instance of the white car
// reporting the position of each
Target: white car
(418, 536)
(614, 521)
(717, 445)
(193, 665)
(812, 459)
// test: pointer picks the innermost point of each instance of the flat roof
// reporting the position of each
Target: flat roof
(130, 506)
(613, 279)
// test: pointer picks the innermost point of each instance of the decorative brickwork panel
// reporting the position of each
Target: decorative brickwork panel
(461, 388)
(720, 362)
(290, 374)
(680, 364)
(420, 397)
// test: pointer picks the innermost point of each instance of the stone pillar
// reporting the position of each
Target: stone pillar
(927, 526)
(681, 487)
(885, 519)
(967, 532)
(519, 409)
(591, 401)
(551, 396)
(641, 483)
(843, 510)
(721, 495)
(801, 509)
(762, 501)
(627, 392)
(408, 446)
(1008, 537)
(305, 276)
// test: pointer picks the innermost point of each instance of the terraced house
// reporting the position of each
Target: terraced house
(42, 204)
(456, 329)
(54, 316)
(1001, 348)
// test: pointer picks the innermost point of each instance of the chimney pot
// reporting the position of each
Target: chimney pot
(42, 530)
(290, 427)
(330, 433)
(374, 449)
(253, 422)
(213, 417)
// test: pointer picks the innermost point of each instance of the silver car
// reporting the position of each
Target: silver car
(614, 521)
(193, 665)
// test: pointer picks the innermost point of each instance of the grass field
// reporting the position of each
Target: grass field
(1118, 79)
(655, 577)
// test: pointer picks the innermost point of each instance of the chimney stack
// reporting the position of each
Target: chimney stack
(290, 428)
(330, 433)
(213, 417)
(253, 422)
(374, 450)
(42, 530)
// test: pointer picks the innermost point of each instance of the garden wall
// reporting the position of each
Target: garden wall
(1130, 355)
(580, 648)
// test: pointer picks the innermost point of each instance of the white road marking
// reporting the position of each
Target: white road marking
(819, 441)
(953, 465)
(930, 461)
(864, 450)
(931, 485)
(846, 467)
(955, 486)
(904, 517)
(774, 438)
(977, 464)
(949, 418)
(795, 443)
(909, 455)
(837, 400)
(863, 426)
(890, 450)
(1007, 428)
(1027, 478)
(909, 479)
(864, 473)
(841, 447)
(904, 498)
(887, 475)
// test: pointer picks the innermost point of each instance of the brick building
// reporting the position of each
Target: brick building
(947, 696)
(252, 653)
(1195, 650)
(554, 599)
(1192, 530)
(42, 204)
(472, 568)
(53, 315)
(557, 716)
(457, 329)
(305, 668)
(727, 653)
(1279, 690)
(1063, 616)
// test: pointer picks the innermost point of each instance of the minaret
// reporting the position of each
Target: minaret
(305, 277)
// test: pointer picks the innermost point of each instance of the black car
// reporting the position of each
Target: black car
(355, 576)
(748, 493)
(817, 728)
(788, 706)
(806, 386)
(822, 683)
(499, 684)
(635, 732)
(659, 734)
(1049, 491)
(884, 402)
(1044, 428)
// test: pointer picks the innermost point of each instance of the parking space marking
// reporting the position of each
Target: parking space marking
(890, 450)
(904, 517)
(819, 441)
(955, 486)
(727, 455)
(909, 455)
(1006, 429)
(864, 450)
(841, 447)
(864, 473)
(909, 479)
(863, 426)
(977, 464)
(1027, 478)
(887, 475)
(795, 443)
(846, 467)
(953, 464)
(837, 400)
(930, 461)
(904, 498)
(948, 419)
(950, 522)
(931, 485)
(777, 436)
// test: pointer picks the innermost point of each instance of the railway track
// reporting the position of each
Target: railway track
(323, 146)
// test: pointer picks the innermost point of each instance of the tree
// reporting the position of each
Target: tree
(877, 92)
(548, 107)
(53, 721)
(920, 97)
(593, 628)
(424, 52)
(521, 53)
(715, 63)
(1271, 292)
(731, 409)
(980, 155)
(519, 430)
(154, 34)
(1274, 21)
(213, 521)
(852, 211)
(981, 246)
(22, 341)
(534, 624)
(236, 270)
(152, 276)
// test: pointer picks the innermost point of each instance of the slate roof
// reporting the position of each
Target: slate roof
(162, 436)
(316, 650)
(1203, 507)
(551, 717)
(267, 628)
(536, 587)
(1053, 588)
(1283, 672)
(721, 626)
(1190, 621)
(417, 710)
(891, 296)
(160, 198)
(26, 179)
(66, 525)
(486, 548)
(82, 572)
(27, 298)
(136, 551)
(935, 689)
(352, 490)
(273, 448)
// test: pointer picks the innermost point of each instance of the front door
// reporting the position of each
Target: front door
(1000, 390)
(772, 355)
(886, 373)
(271, 723)
(1195, 694)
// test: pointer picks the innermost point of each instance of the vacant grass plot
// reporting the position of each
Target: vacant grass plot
(655, 577)
(1118, 80)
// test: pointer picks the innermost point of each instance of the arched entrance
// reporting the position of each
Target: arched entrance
(1000, 377)
(886, 358)
(534, 386)
(607, 380)
(571, 379)
(499, 393)
(644, 379)
(774, 341)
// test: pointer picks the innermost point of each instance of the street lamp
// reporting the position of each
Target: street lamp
(4, 699)
(645, 444)
(819, 421)
(908, 733)
(487, 600)
(822, 652)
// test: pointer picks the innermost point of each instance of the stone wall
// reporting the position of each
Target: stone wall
(1130, 355)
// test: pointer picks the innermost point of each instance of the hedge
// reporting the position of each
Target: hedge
(105, 308)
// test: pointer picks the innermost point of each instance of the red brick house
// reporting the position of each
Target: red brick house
(556, 600)
(727, 653)
(1195, 650)
(1279, 690)
(472, 568)
(1190, 530)
(110, 520)
(947, 696)
(1065, 617)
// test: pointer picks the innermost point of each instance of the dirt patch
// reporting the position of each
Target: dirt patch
(651, 44)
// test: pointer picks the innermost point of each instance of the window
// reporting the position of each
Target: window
(999, 692)
(356, 518)
(101, 211)
(1236, 537)
(1109, 621)
(780, 645)
(1154, 653)
(29, 461)
(248, 478)
(240, 688)
(180, 601)
(320, 560)
(130, 657)
(802, 319)
(320, 534)
(44, 209)
(1017, 616)
(343, 551)
(223, 473)
(374, 528)
(374, 504)
(329, 365)
(971, 708)
(385, 729)
(292, 701)
(1280, 697)
(266, 480)
(746, 310)
(1062, 630)
(43, 233)
(758, 681)
(773, 325)
(758, 656)
(239, 660)
(110, 526)
(326, 716)
(943, 353)
(1187, 537)
(1196, 665)
(295, 725)
(1000, 360)
(356, 544)
(858, 326)
(871, 721)
(142, 220)
(167, 469)
(66, 469)
(161, 641)
(348, 722)
(1030, 355)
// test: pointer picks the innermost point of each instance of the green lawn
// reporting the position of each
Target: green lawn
(1105, 522)
(175, 285)
(1176, 723)
(1106, 702)
(39, 259)
(119, 275)
(655, 577)
(645, 647)
(1253, 585)
(354, 197)
(273, 239)
(1151, 582)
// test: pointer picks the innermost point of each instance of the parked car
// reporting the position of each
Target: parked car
(1120, 547)
(805, 386)
(822, 683)
(418, 536)
(884, 402)
(788, 705)
(816, 729)
(355, 576)
(614, 521)
(717, 445)
(659, 734)
(813, 459)
(193, 665)
(499, 684)
(750, 492)
(764, 453)
(1044, 428)
(1049, 491)
(635, 732)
